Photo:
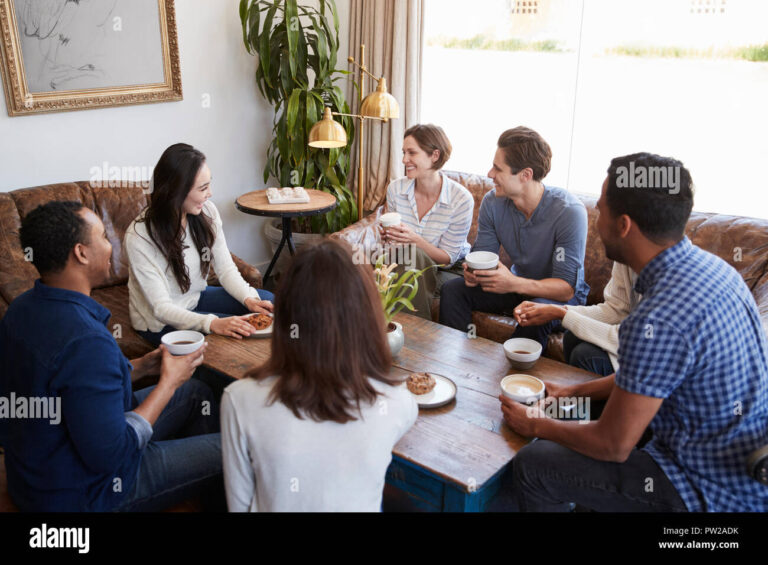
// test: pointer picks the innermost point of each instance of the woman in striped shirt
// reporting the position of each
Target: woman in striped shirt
(436, 212)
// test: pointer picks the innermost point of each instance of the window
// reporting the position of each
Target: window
(599, 79)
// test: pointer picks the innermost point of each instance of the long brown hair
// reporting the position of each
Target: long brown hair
(173, 178)
(329, 336)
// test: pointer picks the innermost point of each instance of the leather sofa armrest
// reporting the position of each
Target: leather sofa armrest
(364, 233)
(250, 273)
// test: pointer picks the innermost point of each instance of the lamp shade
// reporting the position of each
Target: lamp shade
(381, 104)
(327, 133)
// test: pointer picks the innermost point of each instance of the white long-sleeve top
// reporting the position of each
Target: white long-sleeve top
(599, 324)
(276, 462)
(155, 298)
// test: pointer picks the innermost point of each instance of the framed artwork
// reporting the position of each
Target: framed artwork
(61, 55)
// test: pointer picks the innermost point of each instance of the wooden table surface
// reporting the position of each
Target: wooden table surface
(257, 202)
(466, 442)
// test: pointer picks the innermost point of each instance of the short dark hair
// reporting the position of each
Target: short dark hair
(655, 192)
(430, 138)
(51, 231)
(323, 373)
(524, 148)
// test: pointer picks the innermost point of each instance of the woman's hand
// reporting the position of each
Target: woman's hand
(236, 327)
(402, 234)
(534, 314)
(259, 306)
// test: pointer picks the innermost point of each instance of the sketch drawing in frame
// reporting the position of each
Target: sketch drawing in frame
(60, 55)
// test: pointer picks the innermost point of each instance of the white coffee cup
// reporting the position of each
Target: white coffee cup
(481, 261)
(183, 343)
(391, 220)
(522, 352)
(524, 389)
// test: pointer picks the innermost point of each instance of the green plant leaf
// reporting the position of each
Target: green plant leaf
(292, 28)
(293, 108)
(264, 54)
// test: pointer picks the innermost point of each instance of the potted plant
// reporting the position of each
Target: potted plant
(397, 292)
(297, 48)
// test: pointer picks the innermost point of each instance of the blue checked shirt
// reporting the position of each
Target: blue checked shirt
(696, 341)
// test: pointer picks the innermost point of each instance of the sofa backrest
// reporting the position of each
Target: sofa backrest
(116, 206)
(742, 242)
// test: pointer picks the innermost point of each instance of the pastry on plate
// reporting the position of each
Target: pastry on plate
(420, 383)
(260, 321)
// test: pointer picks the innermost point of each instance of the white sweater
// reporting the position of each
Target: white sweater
(275, 462)
(155, 299)
(599, 324)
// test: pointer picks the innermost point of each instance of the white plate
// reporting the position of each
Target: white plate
(264, 333)
(443, 393)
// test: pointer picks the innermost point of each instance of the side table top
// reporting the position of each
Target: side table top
(257, 204)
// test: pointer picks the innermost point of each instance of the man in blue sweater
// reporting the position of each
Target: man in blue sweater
(543, 229)
(108, 448)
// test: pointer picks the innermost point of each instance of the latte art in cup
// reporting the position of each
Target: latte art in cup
(524, 389)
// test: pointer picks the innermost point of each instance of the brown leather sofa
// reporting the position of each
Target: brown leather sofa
(117, 207)
(742, 242)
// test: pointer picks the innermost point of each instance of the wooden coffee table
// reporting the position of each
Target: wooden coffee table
(453, 458)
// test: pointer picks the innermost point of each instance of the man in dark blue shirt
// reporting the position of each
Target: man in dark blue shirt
(108, 449)
(542, 228)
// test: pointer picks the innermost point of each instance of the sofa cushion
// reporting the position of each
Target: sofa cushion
(16, 274)
(118, 207)
(115, 299)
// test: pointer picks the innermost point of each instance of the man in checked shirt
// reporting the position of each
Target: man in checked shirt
(693, 365)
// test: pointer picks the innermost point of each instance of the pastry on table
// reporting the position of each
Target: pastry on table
(420, 383)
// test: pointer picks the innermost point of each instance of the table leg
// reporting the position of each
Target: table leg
(287, 237)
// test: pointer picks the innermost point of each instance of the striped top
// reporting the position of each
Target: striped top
(446, 225)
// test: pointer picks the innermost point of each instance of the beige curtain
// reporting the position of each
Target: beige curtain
(392, 32)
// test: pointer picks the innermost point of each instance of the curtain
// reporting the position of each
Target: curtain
(392, 32)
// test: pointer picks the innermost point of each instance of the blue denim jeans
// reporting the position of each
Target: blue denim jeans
(546, 477)
(585, 355)
(213, 300)
(458, 301)
(183, 458)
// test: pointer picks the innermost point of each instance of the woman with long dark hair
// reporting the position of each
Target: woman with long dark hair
(172, 247)
(314, 428)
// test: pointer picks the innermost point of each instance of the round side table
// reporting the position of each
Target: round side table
(256, 204)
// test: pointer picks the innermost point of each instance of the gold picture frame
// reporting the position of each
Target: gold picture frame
(21, 101)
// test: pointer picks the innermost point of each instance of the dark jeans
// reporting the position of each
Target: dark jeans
(546, 477)
(183, 458)
(585, 355)
(458, 301)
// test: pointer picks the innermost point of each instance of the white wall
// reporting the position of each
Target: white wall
(233, 132)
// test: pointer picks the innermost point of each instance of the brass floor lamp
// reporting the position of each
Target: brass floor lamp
(379, 105)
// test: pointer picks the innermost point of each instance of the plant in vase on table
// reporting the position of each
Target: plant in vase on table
(397, 291)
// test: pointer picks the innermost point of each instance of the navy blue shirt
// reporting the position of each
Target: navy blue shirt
(549, 245)
(54, 343)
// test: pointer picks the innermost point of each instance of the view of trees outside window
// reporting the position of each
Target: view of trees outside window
(603, 78)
